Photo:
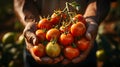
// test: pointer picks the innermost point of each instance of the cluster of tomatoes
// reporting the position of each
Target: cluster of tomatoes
(61, 33)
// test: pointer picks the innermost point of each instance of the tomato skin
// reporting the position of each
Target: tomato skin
(66, 39)
(53, 33)
(83, 44)
(79, 18)
(44, 24)
(78, 29)
(41, 35)
(65, 29)
(53, 49)
(39, 50)
(71, 52)
(55, 18)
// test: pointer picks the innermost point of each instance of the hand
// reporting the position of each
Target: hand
(92, 28)
(31, 40)
(91, 33)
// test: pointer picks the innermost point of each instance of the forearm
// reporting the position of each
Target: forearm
(97, 11)
(26, 11)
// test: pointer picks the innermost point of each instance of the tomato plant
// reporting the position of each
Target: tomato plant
(66, 39)
(39, 50)
(71, 52)
(78, 29)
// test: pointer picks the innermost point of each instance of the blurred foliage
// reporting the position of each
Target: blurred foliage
(108, 38)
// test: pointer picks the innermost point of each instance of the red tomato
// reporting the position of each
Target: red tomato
(44, 24)
(39, 50)
(66, 39)
(55, 18)
(83, 44)
(71, 52)
(53, 33)
(65, 29)
(78, 29)
(40, 34)
(79, 18)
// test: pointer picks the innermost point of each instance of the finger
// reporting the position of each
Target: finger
(31, 37)
(58, 59)
(66, 61)
(36, 58)
(91, 31)
(47, 60)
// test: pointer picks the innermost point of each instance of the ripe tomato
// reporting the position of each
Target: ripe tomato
(65, 29)
(66, 39)
(53, 49)
(55, 18)
(71, 52)
(79, 18)
(41, 35)
(44, 24)
(78, 29)
(83, 44)
(53, 33)
(39, 50)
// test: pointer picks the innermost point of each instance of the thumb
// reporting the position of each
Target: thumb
(31, 37)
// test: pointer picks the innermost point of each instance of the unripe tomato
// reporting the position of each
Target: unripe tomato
(78, 29)
(39, 50)
(71, 52)
(53, 33)
(53, 49)
(83, 44)
(66, 39)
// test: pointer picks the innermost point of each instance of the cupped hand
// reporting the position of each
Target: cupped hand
(91, 32)
(31, 40)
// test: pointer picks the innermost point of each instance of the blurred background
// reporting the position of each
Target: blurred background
(12, 40)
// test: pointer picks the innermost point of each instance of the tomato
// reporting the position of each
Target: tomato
(65, 29)
(39, 50)
(79, 18)
(55, 18)
(78, 29)
(41, 35)
(71, 52)
(44, 24)
(83, 44)
(66, 39)
(53, 33)
(53, 49)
